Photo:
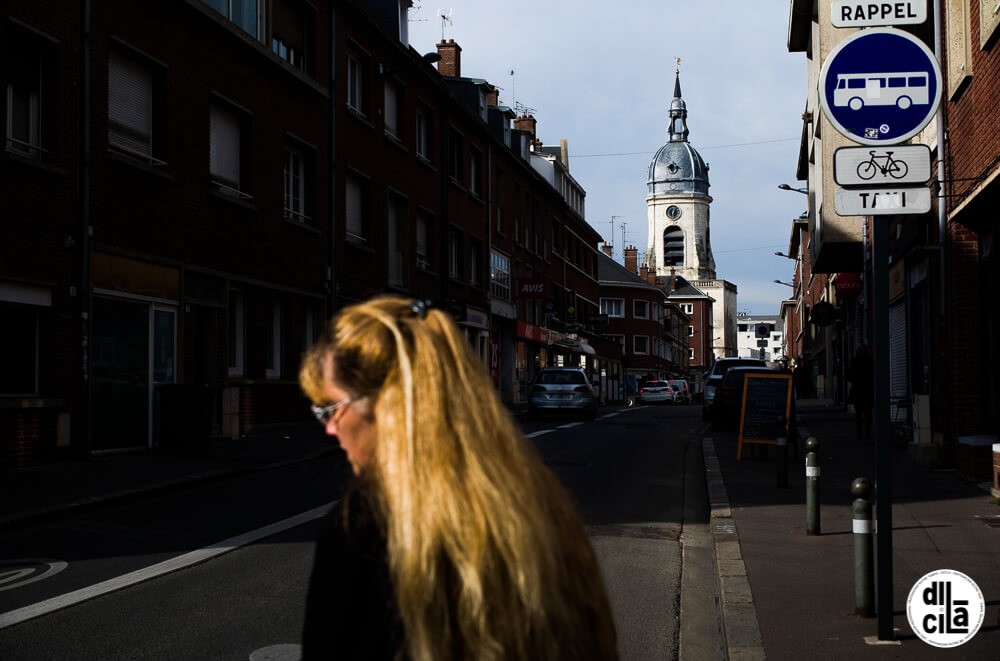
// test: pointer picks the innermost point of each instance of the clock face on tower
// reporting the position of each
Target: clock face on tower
(673, 212)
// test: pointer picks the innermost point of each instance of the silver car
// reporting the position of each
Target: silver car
(652, 392)
(563, 389)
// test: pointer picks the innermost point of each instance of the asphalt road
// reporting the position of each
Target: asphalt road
(242, 593)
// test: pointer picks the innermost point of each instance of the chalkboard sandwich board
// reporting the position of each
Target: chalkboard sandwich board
(767, 399)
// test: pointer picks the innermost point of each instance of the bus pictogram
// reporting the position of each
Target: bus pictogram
(900, 89)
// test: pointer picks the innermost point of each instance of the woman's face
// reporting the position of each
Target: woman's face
(353, 429)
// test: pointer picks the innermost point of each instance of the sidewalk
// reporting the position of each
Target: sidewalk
(32, 494)
(788, 595)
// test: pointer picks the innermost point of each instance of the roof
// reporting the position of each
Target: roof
(610, 272)
(677, 167)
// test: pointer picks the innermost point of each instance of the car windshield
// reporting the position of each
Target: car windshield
(656, 384)
(735, 377)
(561, 378)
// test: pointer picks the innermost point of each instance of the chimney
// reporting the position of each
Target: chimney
(526, 123)
(450, 64)
(608, 249)
(632, 259)
(564, 152)
(493, 98)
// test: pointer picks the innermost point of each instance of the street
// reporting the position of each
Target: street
(626, 470)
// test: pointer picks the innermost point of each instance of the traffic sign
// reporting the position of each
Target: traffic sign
(880, 86)
(882, 201)
(761, 343)
(880, 166)
(850, 14)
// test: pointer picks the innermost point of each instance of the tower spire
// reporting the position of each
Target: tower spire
(678, 109)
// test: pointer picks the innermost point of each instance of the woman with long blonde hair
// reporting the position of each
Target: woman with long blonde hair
(454, 541)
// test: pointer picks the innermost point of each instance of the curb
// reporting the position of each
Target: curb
(737, 611)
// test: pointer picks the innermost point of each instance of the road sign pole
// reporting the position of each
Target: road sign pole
(883, 440)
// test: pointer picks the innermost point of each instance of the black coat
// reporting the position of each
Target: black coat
(351, 609)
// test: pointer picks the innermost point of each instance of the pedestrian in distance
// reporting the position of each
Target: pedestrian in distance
(453, 541)
(862, 391)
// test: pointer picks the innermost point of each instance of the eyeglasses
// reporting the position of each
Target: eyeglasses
(324, 413)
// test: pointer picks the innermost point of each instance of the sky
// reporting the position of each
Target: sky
(601, 75)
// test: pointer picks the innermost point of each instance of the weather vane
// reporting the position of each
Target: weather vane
(678, 69)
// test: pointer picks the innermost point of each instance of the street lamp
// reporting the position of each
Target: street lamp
(797, 190)
(787, 284)
(781, 254)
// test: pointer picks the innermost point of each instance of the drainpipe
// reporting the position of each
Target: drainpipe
(84, 404)
(331, 274)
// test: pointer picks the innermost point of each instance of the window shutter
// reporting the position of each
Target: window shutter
(130, 105)
(224, 153)
(391, 109)
(355, 207)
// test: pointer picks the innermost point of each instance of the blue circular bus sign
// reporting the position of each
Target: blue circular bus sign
(880, 86)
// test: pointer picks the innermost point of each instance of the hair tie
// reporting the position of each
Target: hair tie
(419, 307)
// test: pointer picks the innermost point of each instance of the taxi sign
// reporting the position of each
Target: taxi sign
(882, 202)
(880, 86)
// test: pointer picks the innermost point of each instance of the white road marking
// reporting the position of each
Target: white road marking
(539, 433)
(570, 425)
(12, 577)
(19, 615)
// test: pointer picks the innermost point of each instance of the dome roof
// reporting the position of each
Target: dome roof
(677, 166)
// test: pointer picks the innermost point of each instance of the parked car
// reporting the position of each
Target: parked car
(653, 392)
(713, 377)
(729, 396)
(683, 392)
(563, 389)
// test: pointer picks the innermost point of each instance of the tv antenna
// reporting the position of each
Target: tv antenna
(445, 20)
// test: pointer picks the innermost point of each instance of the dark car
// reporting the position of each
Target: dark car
(713, 377)
(729, 396)
(563, 389)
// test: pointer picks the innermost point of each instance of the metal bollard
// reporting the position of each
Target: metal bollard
(812, 486)
(782, 459)
(864, 558)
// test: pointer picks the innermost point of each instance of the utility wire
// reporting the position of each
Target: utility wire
(739, 144)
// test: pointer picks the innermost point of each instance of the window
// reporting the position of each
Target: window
(640, 344)
(392, 108)
(673, 246)
(690, 354)
(690, 331)
(454, 254)
(499, 200)
(475, 171)
(290, 23)
(959, 60)
(244, 13)
(237, 325)
(356, 83)
(31, 93)
(500, 276)
(130, 106)
(423, 133)
(687, 308)
(272, 343)
(475, 258)
(298, 184)
(225, 152)
(613, 307)
(618, 339)
(396, 239)
(423, 243)
(640, 309)
(357, 207)
(20, 342)
(455, 150)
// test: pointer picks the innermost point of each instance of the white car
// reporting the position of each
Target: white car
(656, 392)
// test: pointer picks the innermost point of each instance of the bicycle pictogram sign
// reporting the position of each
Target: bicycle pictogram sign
(870, 166)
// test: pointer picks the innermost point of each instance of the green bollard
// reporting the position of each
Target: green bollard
(812, 486)
(864, 557)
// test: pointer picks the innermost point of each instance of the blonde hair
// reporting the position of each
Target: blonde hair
(487, 555)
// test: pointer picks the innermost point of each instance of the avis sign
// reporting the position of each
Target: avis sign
(531, 288)
(849, 14)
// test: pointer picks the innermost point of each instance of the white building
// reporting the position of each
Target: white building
(760, 336)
